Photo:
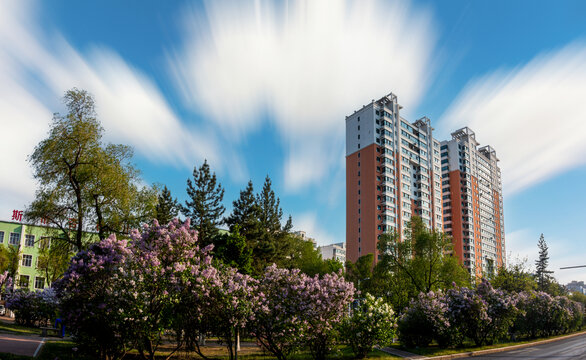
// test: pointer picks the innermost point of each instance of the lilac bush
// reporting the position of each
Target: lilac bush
(502, 310)
(280, 325)
(94, 302)
(371, 323)
(167, 263)
(425, 319)
(232, 306)
(326, 301)
(296, 310)
(36, 308)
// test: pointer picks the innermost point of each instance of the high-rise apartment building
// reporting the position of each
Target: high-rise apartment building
(392, 172)
(473, 202)
(396, 169)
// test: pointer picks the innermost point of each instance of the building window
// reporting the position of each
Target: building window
(14, 239)
(359, 154)
(359, 118)
(358, 127)
(358, 136)
(1, 237)
(359, 146)
(39, 282)
(29, 240)
(27, 260)
(359, 164)
(358, 173)
(358, 191)
(23, 281)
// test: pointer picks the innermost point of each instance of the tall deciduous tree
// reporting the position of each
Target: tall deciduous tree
(84, 184)
(205, 205)
(541, 272)
(167, 207)
(422, 262)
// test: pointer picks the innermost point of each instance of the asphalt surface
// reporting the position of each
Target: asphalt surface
(20, 345)
(573, 348)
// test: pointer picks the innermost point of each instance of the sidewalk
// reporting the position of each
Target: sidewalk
(20, 344)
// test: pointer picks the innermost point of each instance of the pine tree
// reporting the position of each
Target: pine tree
(167, 207)
(270, 208)
(245, 214)
(541, 272)
(205, 207)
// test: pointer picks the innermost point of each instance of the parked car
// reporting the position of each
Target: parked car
(2, 310)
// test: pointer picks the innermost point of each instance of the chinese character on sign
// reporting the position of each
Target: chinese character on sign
(44, 221)
(72, 223)
(17, 215)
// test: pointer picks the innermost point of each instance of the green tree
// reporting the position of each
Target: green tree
(541, 273)
(231, 249)
(360, 272)
(84, 184)
(422, 262)
(514, 278)
(167, 207)
(54, 258)
(205, 205)
(245, 214)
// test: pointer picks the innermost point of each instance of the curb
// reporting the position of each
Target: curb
(502, 349)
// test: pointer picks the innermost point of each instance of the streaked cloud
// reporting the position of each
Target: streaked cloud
(36, 70)
(304, 65)
(533, 115)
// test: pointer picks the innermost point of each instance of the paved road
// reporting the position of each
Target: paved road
(573, 348)
(20, 345)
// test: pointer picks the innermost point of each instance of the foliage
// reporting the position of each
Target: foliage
(231, 249)
(84, 184)
(514, 278)
(9, 260)
(303, 255)
(372, 323)
(245, 214)
(54, 259)
(5, 282)
(421, 262)
(541, 272)
(360, 272)
(204, 206)
(167, 207)
(501, 310)
(33, 308)
(424, 320)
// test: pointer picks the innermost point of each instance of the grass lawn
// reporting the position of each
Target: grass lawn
(12, 328)
(435, 350)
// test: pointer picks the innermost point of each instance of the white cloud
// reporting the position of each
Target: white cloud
(533, 115)
(305, 65)
(309, 223)
(35, 71)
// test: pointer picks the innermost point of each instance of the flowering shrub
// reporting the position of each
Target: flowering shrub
(501, 310)
(424, 320)
(325, 303)
(295, 309)
(372, 323)
(232, 305)
(33, 308)
(94, 302)
(5, 283)
(280, 325)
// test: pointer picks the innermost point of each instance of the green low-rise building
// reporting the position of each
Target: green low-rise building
(28, 242)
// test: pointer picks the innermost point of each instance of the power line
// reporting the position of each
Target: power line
(572, 267)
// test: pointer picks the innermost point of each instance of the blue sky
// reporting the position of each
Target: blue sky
(261, 87)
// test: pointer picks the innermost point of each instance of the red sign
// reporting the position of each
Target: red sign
(17, 215)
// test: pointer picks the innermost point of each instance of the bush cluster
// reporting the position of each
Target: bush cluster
(485, 315)
(121, 295)
(33, 308)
